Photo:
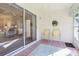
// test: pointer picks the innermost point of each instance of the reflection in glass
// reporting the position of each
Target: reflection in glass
(28, 28)
(14, 32)
(11, 29)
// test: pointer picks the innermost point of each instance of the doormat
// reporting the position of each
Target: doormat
(69, 45)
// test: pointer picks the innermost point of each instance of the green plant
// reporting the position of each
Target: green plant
(54, 23)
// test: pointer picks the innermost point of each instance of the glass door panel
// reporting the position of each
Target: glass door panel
(14, 32)
(76, 28)
(30, 27)
(11, 28)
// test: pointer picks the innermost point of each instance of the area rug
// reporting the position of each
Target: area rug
(44, 50)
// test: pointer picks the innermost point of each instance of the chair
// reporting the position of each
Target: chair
(56, 34)
(46, 34)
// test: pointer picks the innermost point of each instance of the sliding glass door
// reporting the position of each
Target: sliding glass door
(30, 27)
(76, 28)
(17, 28)
(11, 28)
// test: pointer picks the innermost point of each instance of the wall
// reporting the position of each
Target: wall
(44, 22)
(65, 25)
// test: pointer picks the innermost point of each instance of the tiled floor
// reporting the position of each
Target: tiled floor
(27, 51)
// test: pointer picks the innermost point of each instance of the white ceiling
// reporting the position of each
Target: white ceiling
(47, 8)
(51, 6)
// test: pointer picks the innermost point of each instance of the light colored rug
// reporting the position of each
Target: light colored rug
(44, 50)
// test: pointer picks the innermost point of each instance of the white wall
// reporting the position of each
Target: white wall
(65, 25)
(44, 21)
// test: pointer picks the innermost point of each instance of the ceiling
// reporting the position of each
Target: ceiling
(6, 9)
(12, 10)
(47, 7)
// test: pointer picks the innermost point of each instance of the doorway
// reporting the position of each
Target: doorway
(30, 27)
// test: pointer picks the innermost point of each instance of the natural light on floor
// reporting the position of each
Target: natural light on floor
(10, 43)
(62, 52)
